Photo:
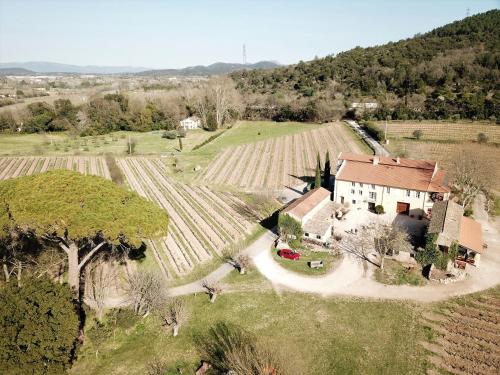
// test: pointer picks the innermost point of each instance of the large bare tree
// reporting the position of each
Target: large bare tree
(146, 291)
(174, 314)
(471, 175)
(389, 239)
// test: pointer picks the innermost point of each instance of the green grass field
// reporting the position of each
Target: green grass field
(242, 132)
(323, 336)
(301, 265)
(63, 143)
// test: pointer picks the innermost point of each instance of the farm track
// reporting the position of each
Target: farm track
(200, 228)
(12, 167)
(275, 163)
(468, 338)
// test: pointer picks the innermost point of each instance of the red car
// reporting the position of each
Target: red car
(289, 254)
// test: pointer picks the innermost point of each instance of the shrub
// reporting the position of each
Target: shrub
(114, 171)
(417, 134)
(379, 209)
(482, 138)
(170, 134)
(468, 212)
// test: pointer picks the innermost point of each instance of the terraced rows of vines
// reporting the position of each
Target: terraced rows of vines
(466, 337)
(11, 167)
(203, 222)
(278, 162)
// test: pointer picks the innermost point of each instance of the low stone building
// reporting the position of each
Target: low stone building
(314, 210)
(451, 227)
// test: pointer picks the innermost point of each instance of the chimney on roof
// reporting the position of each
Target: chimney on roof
(398, 160)
(435, 169)
(375, 160)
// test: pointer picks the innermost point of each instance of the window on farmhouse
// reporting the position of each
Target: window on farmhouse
(372, 195)
(353, 184)
(417, 194)
(408, 193)
(388, 190)
(353, 191)
(306, 234)
(360, 192)
(360, 185)
(354, 201)
(318, 237)
(373, 187)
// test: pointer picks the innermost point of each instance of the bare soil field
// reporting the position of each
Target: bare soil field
(443, 131)
(283, 161)
(203, 222)
(11, 167)
(464, 337)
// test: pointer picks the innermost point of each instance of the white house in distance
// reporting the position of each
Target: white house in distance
(314, 210)
(402, 186)
(189, 123)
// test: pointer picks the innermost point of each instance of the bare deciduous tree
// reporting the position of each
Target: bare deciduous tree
(100, 276)
(242, 262)
(146, 291)
(230, 349)
(213, 289)
(470, 176)
(174, 314)
(389, 240)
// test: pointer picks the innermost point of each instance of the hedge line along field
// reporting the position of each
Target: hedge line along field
(464, 338)
(278, 162)
(442, 131)
(203, 222)
(11, 167)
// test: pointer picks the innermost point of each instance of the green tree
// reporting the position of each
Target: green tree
(317, 178)
(81, 214)
(482, 138)
(327, 174)
(288, 226)
(39, 326)
(417, 134)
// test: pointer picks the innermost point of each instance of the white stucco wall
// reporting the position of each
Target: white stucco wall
(190, 124)
(385, 196)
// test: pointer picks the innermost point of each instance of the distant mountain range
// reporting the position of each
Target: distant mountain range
(213, 69)
(50, 67)
(44, 67)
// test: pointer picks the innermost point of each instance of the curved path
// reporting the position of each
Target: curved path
(349, 279)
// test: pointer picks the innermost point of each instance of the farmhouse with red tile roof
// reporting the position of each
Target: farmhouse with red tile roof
(403, 186)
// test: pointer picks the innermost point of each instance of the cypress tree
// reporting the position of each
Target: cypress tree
(317, 180)
(327, 170)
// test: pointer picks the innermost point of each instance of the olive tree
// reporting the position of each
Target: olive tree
(83, 215)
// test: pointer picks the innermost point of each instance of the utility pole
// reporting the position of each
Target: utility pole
(129, 146)
(467, 14)
(244, 54)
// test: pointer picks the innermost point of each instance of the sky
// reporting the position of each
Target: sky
(176, 34)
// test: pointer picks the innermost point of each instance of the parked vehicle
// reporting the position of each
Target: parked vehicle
(289, 254)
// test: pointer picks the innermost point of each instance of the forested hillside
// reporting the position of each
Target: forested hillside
(452, 71)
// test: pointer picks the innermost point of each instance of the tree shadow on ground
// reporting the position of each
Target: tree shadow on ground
(307, 179)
